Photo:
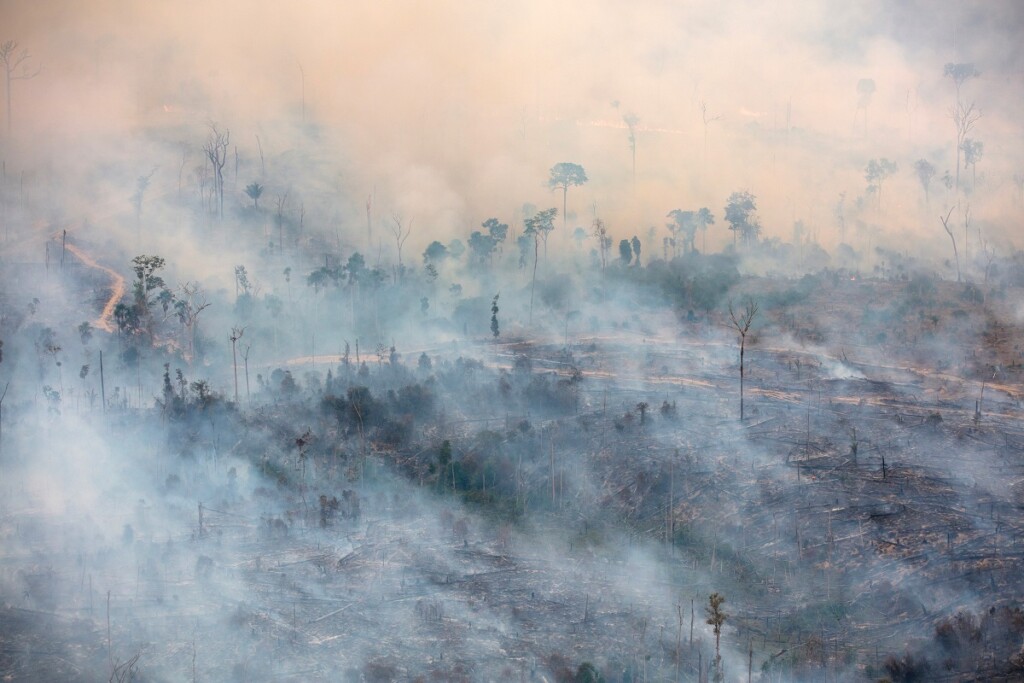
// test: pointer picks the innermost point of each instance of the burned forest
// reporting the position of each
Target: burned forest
(452, 342)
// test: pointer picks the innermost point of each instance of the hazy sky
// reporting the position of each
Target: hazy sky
(454, 111)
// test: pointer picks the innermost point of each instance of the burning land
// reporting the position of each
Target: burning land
(519, 510)
(439, 342)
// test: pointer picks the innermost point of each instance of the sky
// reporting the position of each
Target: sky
(449, 112)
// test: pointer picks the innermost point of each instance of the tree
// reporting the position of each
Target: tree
(973, 150)
(705, 218)
(400, 238)
(538, 226)
(497, 230)
(541, 224)
(635, 242)
(482, 246)
(925, 172)
(563, 176)
(236, 334)
(742, 323)
(16, 68)
(949, 231)
(435, 253)
(255, 191)
(494, 316)
(604, 242)
(960, 73)
(716, 616)
(683, 228)
(146, 282)
(625, 252)
(739, 214)
(876, 172)
(964, 117)
(216, 150)
(190, 302)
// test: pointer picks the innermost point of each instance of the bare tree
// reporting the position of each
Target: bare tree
(216, 150)
(706, 119)
(742, 324)
(400, 238)
(236, 334)
(964, 117)
(16, 68)
(190, 302)
(631, 120)
(949, 231)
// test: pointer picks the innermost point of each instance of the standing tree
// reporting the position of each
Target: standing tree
(494, 316)
(960, 73)
(563, 176)
(876, 172)
(705, 218)
(706, 119)
(255, 191)
(604, 242)
(538, 226)
(400, 238)
(742, 324)
(949, 231)
(925, 172)
(496, 229)
(964, 117)
(15, 69)
(715, 618)
(739, 214)
(190, 302)
(236, 334)
(625, 252)
(216, 150)
(684, 228)
(635, 242)
(541, 224)
(973, 150)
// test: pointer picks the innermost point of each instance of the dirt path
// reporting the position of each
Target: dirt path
(105, 321)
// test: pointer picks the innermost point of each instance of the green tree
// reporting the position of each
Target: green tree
(625, 252)
(973, 150)
(876, 173)
(255, 191)
(739, 214)
(716, 616)
(494, 316)
(538, 226)
(563, 176)
(925, 172)
(705, 218)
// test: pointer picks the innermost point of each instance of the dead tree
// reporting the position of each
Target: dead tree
(15, 69)
(236, 334)
(190, 302)
(216, 150)
(964, 117)
(400, 238)
(949, 231)
(742, 324)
